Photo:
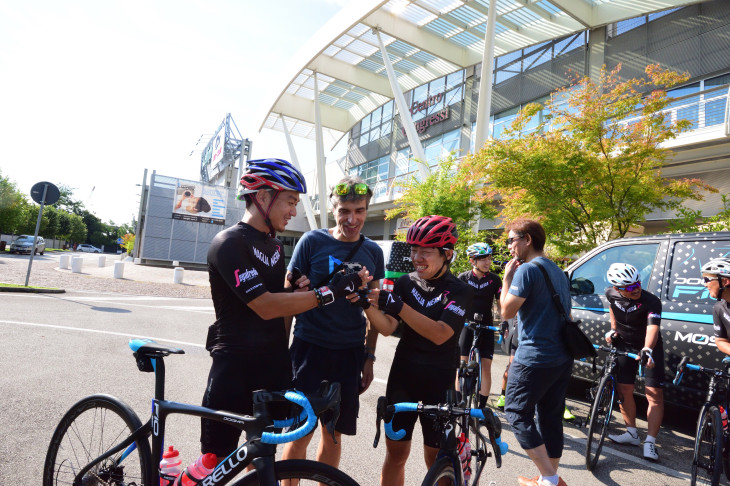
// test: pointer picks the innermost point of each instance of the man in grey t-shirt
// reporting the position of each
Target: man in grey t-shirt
(330, 342)
(539, 375)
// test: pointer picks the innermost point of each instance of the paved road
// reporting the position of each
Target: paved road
(59, 348)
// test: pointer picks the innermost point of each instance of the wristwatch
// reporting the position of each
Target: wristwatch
(324, 296)
(370, 356)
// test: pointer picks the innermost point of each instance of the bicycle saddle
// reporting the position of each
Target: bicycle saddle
(145, 350)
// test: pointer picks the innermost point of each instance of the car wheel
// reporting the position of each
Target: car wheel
(35, 252)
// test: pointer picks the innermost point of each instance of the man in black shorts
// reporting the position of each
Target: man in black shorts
(635, 318)
(486, 286)
(248, 341)
(716, 277)
(331, 344)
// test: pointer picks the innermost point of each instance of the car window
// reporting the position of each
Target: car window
(686, 260)
(590, 277)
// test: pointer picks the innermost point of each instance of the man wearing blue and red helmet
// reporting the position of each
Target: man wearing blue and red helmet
(248, 341)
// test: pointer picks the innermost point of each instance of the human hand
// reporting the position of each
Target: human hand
(367, 375)
(390, 303)
(647, 359)
(510, 268)
(360, 298)
(610, 335)
(343, 284)
(299, 282)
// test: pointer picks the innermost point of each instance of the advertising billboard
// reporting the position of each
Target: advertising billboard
(218, 144)
(199, 202)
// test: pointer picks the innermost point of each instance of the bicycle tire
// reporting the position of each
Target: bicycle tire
(707, 459)
(91, 427)
(442, 473)
(601, 412)
(303, 470)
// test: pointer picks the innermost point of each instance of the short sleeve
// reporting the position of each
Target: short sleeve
(521, 281)
(236, 267)
(458, 306)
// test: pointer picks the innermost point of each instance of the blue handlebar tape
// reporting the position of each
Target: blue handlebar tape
(399, 407)
(290, 421)
(693, 367)
(301, 400)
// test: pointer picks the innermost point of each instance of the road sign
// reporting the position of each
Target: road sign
(119, 241)
(52, 193)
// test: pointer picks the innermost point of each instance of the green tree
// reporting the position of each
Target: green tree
(591, 166)
(77, 229)
(66, 201)
(12, 206)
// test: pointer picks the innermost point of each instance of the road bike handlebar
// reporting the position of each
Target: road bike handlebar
(685, 364)
(475, 325)
(485, 416)
(615, 351)
(283, 437)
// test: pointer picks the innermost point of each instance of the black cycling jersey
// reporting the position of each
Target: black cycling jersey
(244, 263)
(446, 299)
(721, 319)
(633, 316)
(486, 289)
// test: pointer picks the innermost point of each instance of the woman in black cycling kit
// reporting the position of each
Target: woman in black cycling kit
(635, 318)
(434, 304)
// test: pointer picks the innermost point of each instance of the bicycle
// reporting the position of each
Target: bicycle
(603, 399)
(470, 371)
(447, 470)
(101, 440)
(711, 450)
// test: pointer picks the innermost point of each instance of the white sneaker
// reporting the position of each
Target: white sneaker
(626, 438)
(650, 451)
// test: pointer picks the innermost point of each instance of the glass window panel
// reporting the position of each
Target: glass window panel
(388, 111)
(364, 138)
(451, 141)
(436, 86)
(375, 134)
(503, 76)
(590, 277)
(386, 128)
(685, 280)
(375, 116)
(715, 112)
(718, 80)
(455, 79)
(365, 124)
(454, 96)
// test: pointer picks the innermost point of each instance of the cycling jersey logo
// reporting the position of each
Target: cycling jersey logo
(455, 308)
(628, 309)
(261, 257)
(275, 257)
(479, 286)
(333, 262)
(654, 315)
(350, 287)
(245, 276)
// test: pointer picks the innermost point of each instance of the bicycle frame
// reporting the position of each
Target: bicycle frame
(259, 451)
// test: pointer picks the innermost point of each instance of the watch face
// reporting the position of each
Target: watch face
(327, 297)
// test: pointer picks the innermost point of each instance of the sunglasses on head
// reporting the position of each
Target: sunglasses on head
(343, 189)
(632, 287)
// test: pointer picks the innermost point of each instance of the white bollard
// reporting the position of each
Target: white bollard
(178, 275)
(102, 261)
(118, 269)
(76, 263)
(63, 262)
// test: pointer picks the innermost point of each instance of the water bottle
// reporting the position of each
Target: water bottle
(170, 466)
(198, 470)
(388, 284)
(465, 456)
(723, 416)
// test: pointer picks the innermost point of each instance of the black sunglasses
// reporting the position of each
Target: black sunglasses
(513, 238)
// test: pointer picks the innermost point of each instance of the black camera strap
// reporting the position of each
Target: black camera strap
(342, 263)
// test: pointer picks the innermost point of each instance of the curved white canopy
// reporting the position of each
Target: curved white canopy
(425, 39)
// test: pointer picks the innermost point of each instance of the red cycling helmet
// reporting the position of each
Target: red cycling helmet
(433, 232)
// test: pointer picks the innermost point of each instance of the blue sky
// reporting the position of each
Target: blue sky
(95, 91)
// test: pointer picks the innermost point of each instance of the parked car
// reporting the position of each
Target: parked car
(669, 266)
(24, 244)
(86, 248)
(397, 257)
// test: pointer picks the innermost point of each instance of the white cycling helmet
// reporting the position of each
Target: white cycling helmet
(717, 266)
(478, 250)
(622, 274)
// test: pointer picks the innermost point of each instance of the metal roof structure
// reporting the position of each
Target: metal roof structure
(424, 39)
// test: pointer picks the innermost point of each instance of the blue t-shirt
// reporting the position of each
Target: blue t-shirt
(540, 323)
(339, 325)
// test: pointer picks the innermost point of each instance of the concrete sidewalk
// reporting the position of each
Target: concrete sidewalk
(136, 272)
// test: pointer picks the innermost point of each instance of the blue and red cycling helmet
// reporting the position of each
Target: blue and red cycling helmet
(276, 174)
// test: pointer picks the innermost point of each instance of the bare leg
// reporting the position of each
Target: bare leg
(546, 465)
(394, 467)
(628, 405)
(655, 412)
(486, 377)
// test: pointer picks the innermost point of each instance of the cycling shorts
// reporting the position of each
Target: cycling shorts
(233, 377)
(409, 382)
(485, 344)
(311, 364)
(629, 367)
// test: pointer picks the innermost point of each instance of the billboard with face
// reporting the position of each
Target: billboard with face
(203, 203)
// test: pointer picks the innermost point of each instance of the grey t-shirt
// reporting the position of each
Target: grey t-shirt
(339, 325)
(540, 324)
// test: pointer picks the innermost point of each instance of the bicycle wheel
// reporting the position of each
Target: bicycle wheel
(304, 472)
(707, 460)
(600, 418)
(441, 473)
(91, 427)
